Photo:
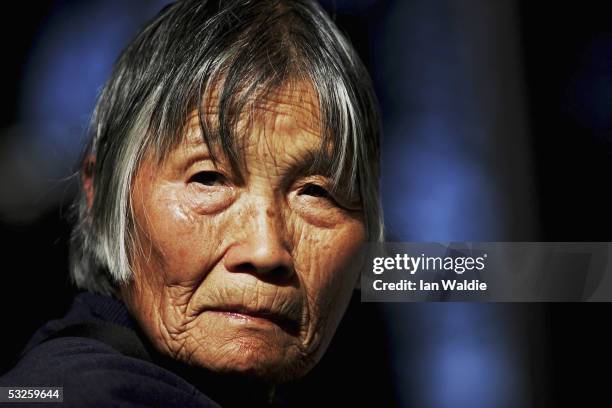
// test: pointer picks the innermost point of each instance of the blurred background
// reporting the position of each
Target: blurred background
(497, 127)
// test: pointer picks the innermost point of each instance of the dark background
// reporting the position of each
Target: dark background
(497, 126)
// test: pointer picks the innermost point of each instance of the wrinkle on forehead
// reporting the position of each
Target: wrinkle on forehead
(291, 112)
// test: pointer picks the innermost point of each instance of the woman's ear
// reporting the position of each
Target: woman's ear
(87, 178)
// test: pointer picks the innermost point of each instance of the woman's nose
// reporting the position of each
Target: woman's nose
(264, 249)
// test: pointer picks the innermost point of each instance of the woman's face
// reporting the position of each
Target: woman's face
(251, 275)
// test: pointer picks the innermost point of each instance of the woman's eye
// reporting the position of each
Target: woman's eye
(207, 178)
(314, 191)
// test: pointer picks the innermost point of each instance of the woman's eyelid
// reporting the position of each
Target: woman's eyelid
(334, 192)
(206, 165)
(206, 171)
(316, 180)
(320, 182)
(314, 189)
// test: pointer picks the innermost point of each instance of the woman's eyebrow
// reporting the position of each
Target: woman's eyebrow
(308, 163)
(191, 151)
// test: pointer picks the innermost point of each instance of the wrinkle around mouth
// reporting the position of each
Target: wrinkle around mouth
(286, 322)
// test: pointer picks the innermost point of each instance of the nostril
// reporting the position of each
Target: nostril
(280, 271)
(248, 267)
(262, 256)
(244, 268)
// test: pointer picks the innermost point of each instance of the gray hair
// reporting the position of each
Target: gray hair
(244, 49)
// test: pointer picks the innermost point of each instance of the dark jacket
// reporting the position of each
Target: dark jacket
(94, 373)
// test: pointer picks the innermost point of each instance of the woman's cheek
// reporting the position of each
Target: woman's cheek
(208, 200)
(317, 211)
(182, 232)
(324, 231)
(324, 264)
(324, 256)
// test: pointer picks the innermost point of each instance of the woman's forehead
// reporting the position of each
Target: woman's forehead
(290, 111)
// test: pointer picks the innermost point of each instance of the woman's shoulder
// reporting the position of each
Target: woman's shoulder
(85, 356)
(92, 372)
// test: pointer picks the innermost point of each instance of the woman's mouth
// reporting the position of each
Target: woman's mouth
(244, 315)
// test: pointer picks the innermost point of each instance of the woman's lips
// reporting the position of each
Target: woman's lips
(246, 315)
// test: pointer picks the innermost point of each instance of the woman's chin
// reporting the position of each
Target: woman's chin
(252, 357)
(256, 350)
(250, 347)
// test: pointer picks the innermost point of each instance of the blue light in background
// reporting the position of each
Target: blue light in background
(68, 64)
(439, 184)
(435, 185)
(432, 189)
(470, 362)
(70, 61)
(460, 355)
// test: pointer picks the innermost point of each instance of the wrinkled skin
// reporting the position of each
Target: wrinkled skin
(244, 277)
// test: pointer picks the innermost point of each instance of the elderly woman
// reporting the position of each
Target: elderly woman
(229, 184)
